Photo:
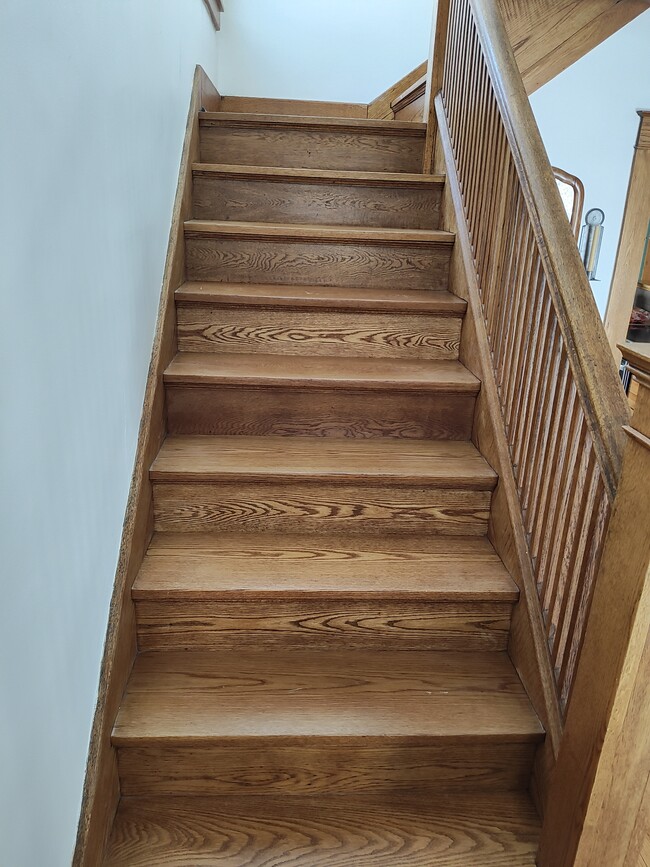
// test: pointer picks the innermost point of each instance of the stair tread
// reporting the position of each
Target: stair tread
(336, 233)
(209, 566)
(423, 462)
(403, 179)
(396, 830)
(211, 696)
(322, 297)
(358, 125)
(318, 371)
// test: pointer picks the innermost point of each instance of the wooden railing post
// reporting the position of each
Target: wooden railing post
(599, 801)
(435, 69)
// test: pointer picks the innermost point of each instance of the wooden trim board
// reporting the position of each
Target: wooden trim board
(629, 256)
(215, 8)
(101, 787)
(527, 648)
(380, 107)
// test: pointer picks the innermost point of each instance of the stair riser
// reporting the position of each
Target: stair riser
(263, 768)
(205, 328)
(219, 197)
(249, 411)
(319, 507)
(316, 625)
(231, 259)
(311, 149)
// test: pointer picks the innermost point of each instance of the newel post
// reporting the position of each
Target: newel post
(435, 72)
(598, 808)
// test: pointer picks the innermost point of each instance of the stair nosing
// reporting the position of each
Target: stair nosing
(483, 478)
(250, 119)
(425, 671)
(267, 379)
(326, 234)
(405, 180)
(449, 305)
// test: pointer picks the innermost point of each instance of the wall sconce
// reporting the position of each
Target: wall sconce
(591, 238)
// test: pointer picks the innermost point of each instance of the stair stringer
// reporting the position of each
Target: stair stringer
(101, 791)
(527, 646)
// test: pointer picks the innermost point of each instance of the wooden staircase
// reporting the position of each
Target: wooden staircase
(322, 624)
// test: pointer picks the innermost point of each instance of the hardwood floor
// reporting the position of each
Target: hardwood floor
(322, 623)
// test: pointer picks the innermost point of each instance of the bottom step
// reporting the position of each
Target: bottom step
(490, 830)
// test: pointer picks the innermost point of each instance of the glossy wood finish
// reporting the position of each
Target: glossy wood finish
(255, 194)
(398, 830)
(560, 395)
(208, 459)
(323, 396)
(101, 785)
(299, 142)
(418, 695)
(603, 767)
(320, 612)
(327, 255)
(299, 592)
(310, 332)
(528, 646)
(201, 722)
(329, 298)
(304, 484)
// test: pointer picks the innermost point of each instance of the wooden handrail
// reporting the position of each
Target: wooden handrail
(561, 399)
(591, 359)
(578, 197)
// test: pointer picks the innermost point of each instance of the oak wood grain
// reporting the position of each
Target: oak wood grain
(326, 767)
(207, 459)
(331, 624)
(205, 698)
(403, 374)
(290, 411)
(328, 263)
(208, 328)
(326, 255)
(309, 198)
(332, 298)
(395, 831)
(370, 146)
(317, 507)
(202, 565)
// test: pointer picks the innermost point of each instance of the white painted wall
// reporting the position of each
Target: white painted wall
(345, 50)
(93, 101)
(587, 117)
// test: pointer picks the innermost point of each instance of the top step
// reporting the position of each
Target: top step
(265, 105)
(288, 141)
